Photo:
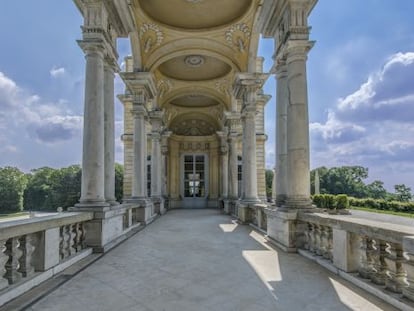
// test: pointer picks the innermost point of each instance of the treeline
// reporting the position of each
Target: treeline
(350, 180)
(45, 189)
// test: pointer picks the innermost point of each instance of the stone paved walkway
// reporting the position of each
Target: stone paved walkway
(199, 260)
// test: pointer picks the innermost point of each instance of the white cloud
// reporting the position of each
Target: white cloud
(43, 121)
(373, 126)
(56, 72)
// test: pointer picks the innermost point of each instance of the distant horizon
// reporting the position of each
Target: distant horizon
(360, 73)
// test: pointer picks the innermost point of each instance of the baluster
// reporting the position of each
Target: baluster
(323, 238)
(71, 241)
(78, 236)
(82, 236)
(317, 238)
(64, 237)
(408, 266)
(307, 237)
(27, 247)
(379, 274)
(311, 237)
(366, 261)
(12, 265)
(264, 223)
(4, 258)
(329, 244)
(394, 258)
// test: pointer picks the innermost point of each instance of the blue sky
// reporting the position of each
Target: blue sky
(360, 73)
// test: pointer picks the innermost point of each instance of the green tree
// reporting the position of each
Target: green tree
(403, 193)
(376, 190)
(119, 181)
(38, 189)
(269, 182)
(12, 185)
(346, 180)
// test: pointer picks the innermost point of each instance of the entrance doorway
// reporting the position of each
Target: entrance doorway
(194, 181)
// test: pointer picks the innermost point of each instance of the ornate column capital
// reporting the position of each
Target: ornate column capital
(297, 50)
(141, 84)
(248, 82)
(90, 47)
(139, 110)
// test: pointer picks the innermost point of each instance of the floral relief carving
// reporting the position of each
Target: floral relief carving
(151, 35)
(238, 36)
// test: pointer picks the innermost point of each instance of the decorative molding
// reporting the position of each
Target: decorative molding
(193, 146)
(194, 1)
(164, 86)
(223, 86)
(194, 61)
(238, 36)
(151, 35)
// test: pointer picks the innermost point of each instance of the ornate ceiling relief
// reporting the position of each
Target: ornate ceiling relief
(151, 36)
(164, 86)
(223, 86)
(194, 61)
(193, 128)
(238, 36)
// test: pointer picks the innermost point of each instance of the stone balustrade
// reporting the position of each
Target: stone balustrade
(374, 255)
(257, 216)
(34, 249)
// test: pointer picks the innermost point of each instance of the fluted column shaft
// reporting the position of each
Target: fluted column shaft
(233, 182)
(282, 101)
(109, 125)
(298, 128)
(156, 165)
(93, 163)
(224, 173)
(249, 153)
(139, 178)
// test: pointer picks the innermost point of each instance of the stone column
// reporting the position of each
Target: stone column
(224, 160)
(249, 153)
(233, 182)
(156, 161)
(282, 101)
(93, 162)
(164, 167)
(139, 178)
(109, 131)
(298, 126)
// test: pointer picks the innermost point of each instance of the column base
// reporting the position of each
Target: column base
(298, 203)
(105, 229)
(282, 228)
(145, 209)
(159, 207)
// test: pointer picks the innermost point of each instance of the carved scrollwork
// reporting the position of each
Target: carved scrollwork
(238, 36)
(151, 35)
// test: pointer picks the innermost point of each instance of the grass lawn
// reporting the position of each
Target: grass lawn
(373, 210)
(2, 216)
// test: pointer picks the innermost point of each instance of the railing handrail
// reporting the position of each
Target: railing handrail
(375, 229)
(35, 224)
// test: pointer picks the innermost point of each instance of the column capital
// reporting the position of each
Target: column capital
(142, 83)
(92, 47)
(248, 82)
(139, 110)
(155, 136)
(297, 50)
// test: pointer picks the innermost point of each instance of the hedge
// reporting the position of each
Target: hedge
(342, 201)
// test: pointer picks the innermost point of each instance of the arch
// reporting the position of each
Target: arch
(202, 46)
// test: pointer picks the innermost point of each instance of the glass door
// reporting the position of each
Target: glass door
(194, 180)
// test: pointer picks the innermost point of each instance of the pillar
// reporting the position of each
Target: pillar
(298, 166)
(109, 131)
(139, 178)
(249, 153)
(156, 161)
(282, 101)
(233, 182)
(93, 162)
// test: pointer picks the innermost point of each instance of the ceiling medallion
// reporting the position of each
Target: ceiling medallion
(194, 60)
